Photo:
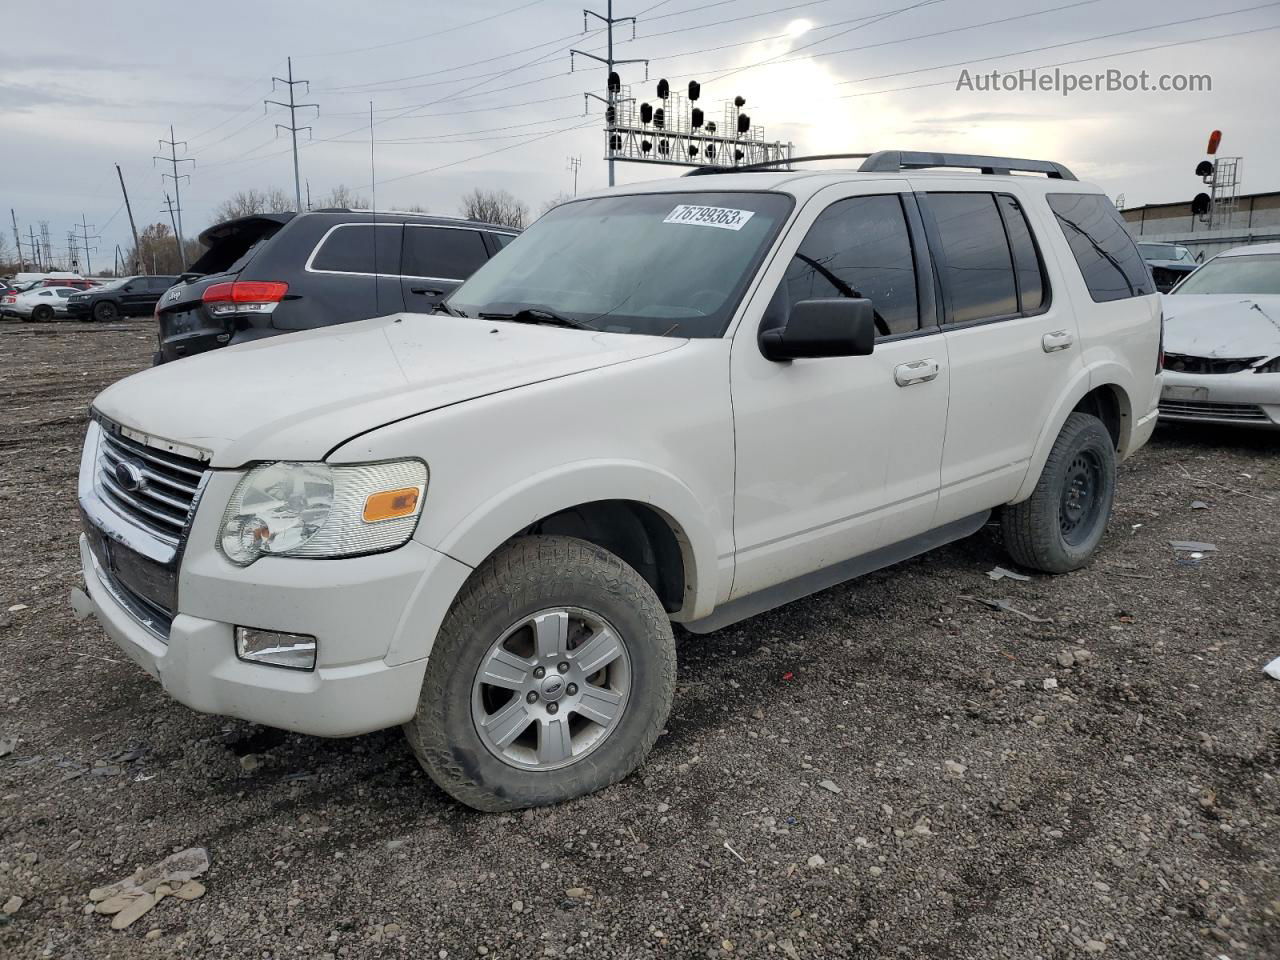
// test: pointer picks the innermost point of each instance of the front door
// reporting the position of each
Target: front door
(839, 456)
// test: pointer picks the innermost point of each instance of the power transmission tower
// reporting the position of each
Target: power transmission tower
(86, 237)
(73, 252)
(35, 250)
(613, 84)
(174, 159)
(293, 128)
(574, 164)
(46, 244)
(137, 250)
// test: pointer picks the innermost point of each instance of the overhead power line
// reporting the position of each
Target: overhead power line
(1068, 43)
(1068, 63)
(177, 179)
(428, 36)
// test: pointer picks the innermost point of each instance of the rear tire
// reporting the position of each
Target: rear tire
(105, 311)
(538, 604)
(1058, 528)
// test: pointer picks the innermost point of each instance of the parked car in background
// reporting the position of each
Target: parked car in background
(269, 274)
(39, 303)
(1222, 341)
(690, 400)
(29, 281)
(1168, 262)
(125, 297)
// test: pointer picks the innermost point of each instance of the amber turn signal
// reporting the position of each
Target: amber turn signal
(390, 504)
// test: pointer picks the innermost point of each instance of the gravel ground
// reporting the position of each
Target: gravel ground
(886, 769)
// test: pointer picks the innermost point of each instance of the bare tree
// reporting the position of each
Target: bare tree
(158, 250)
(342, 196)
(554, 202)
(245, 203)
(494, 206)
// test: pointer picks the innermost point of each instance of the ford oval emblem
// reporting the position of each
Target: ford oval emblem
(130, 476)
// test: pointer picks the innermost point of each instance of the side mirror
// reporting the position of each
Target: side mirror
(823, 328)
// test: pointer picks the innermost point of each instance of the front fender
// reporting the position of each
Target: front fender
(490, 524)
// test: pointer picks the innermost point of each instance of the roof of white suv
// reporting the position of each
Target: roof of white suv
(1040, 175)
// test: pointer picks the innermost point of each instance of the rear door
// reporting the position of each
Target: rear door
(1011, 337)
(136, 297)
(435, 260)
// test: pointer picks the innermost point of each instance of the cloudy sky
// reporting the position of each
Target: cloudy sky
(481, 93)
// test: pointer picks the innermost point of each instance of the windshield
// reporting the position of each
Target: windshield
(1250, 274)
(666, 264)
(1163, 251)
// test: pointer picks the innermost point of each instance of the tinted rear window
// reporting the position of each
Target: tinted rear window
(443, 253)
(348, 248)
(232, 252)
(1108, 259)
(1026, 261)
(977, 267)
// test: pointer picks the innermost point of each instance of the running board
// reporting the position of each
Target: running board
(811, 583)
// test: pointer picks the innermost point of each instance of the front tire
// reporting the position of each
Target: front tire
(105, 312)
(1058, 528)
(43, 313)
(551, 677)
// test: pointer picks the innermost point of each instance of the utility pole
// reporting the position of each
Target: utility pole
(182, 253)
(137, 250)
(574, 164)
(35, 250)
(17, 237)
(308, 193)
(293, 128)
(174, 159)
(613, 84)
(86, 237)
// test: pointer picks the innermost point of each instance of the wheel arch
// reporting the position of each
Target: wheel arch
(646, 516)
(1099, 390)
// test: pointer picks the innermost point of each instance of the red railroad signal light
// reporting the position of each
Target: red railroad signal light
(1215, 138)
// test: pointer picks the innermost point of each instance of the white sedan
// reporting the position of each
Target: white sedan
(1222, 341)
(38, 304)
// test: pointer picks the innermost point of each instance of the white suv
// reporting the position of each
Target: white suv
(689, 401)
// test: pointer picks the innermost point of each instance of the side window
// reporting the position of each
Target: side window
(859, 247)
(1026, 260)
(159, 284)
(348, 248)
(1108, 258)
(976, 266)
(443, 253)
(502, 239)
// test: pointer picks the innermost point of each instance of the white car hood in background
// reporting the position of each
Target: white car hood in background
(298, 396)
(1222, 326)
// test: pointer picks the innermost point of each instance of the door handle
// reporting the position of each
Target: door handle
(427, 291)
(917, 371)
(1056, 340)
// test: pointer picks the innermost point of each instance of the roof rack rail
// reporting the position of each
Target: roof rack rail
(772, 164)
(895, 161)
(892, 161)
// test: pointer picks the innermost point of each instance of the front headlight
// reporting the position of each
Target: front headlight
(318, 510)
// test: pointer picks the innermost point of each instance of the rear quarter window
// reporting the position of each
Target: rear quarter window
(1107, 256)
(349, 248)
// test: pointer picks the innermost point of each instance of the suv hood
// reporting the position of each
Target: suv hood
(1222, 326)
(298, 396)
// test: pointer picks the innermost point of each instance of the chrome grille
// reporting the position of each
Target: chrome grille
(154, 488)
(1208, 410)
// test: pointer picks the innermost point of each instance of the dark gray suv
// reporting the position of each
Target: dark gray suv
(274, 273)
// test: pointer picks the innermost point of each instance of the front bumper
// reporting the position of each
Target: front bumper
(1245, 399)
(79, 309)
(374, 617)
(196, 662)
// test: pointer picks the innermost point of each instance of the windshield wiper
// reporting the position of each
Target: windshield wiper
(531, 313)
(441, 307)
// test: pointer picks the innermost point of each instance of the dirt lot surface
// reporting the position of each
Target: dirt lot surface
(887, 769)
